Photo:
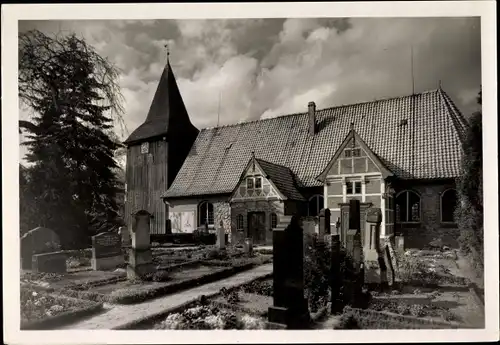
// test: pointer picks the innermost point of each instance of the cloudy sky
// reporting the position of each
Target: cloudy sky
(269, 67)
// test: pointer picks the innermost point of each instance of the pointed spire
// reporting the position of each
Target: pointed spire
(167, 109)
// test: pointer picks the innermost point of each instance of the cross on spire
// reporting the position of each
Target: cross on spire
(168, 50)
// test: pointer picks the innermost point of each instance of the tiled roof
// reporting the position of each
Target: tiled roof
(283, 178)
(167, 110)
(420, 142)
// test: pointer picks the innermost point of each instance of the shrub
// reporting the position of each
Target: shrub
(317, 257)
(209, 317)
(231, 296)
(347, 321)
(264, 288)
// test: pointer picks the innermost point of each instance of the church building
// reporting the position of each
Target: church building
(401, 154)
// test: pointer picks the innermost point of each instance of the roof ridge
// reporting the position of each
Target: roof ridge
(457, 118)
(319, 110)
(280, 165)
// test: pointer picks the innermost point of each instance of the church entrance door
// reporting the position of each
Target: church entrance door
(257, 227)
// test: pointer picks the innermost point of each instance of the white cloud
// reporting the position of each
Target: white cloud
(274, 67)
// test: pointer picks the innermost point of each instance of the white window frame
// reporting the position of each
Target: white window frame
(210, 225)
(354, 183)
(255, 182)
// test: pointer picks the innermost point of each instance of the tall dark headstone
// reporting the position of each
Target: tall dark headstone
(290, 307)
(324, 222)
(335, 278)
(354, 214)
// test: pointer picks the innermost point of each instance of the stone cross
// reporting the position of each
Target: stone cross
(140, 256)
(289, 308)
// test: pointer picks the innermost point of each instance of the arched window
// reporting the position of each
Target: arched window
(239, 222)
(407, 207)
(316, 203)
(274, 220)
(448, 205)
(205, 213)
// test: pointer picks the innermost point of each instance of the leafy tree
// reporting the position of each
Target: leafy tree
(469, 213)
(75, 99)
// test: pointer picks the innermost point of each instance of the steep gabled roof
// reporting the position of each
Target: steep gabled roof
(283, 178)
(353, 135)
(167, 111)
(415, 137)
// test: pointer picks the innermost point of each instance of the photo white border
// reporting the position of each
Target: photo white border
(11, 14)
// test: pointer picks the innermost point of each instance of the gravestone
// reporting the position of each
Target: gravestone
(37, 241)
(125, 236)
(400, 244)
(248, 246)
(54, 262)
(106, 251)
(374, 254)
(337, 226)
(221, 238)
(140, 260)
(324, 222)
(289, 308)
(335, 278)
(354, 281)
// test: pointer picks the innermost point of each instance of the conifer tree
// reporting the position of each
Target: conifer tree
(74, 96)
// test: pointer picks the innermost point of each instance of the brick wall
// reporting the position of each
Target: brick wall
(430, 227)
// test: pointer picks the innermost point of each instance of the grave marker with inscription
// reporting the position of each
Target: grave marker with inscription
(106, 251)
(54, 262)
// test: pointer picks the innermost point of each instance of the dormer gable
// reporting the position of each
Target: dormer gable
(354, 156)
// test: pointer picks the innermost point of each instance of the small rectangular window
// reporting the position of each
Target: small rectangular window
(357, 188)
(356, 152)
(347, 153)
(349, 187)
(354, 187)
(258, 183)
(250, 183)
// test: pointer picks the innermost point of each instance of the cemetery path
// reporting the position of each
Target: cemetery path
(119, 315)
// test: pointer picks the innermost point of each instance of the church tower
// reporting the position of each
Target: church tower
(156, 151)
